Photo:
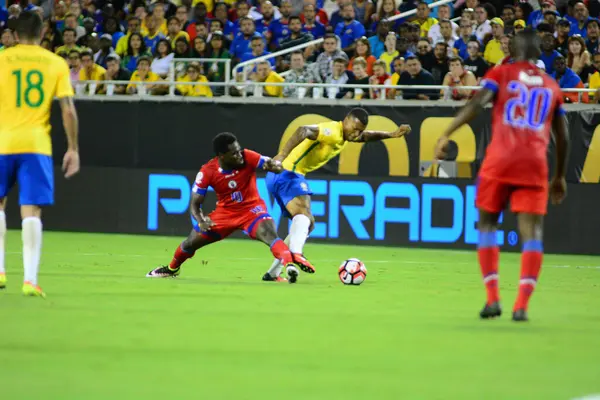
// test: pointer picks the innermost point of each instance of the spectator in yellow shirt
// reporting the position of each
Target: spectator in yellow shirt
(390, 53)
(265, 74)
(158, 12)
(193, 75)
(91, 72)
(423, 19)
(143, 74)
(133, 26)
(398, 70)
(594, 80)
(493, 50)
(175, 31)
(69, 39)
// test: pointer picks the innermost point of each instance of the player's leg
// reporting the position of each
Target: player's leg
(276, 266)
(491, 199)
(8, 176)
(266, 232)
(530, 204)
(2, 239)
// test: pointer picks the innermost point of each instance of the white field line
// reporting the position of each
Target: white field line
(367, 261)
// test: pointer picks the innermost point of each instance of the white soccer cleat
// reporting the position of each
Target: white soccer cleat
(292, 273)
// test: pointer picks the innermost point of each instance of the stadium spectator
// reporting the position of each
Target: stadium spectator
(182, 15)
(198, 25)
(425, 54)
(193, 75)
(582, 17)
(242, 10)
(364, 10)
(69, 36)
(423, 18)
(386, 9)
(296, 36)
(537, 16)
(90, 71)
(523, 11)
(440, 65)
(51, 33)
(182, 48)
(200, 48)
(518, 26)
(175, 32)
(484, 26)
(241, 43)
(457, 78)
(363, 51)
(466, 5)
(403, 48)
(493, 49)
(133, 26)
(350, 30)
(112, 27)
(593, 33)
(258, 50)
(594, 78)
(548, 54)
(505, 46)
(567, 79)
(153, 36)
(7, 39)
(377, 41)
(416, 75)
(551, 17)
(264, 73)
(163, 57)
(136, 48)
(216, 70)
(562, 37)
(105, 50)
(320, 14)
(221, 12)
(391, 53)
(579, 59)
(413, 34)
(74, 61)
(311, 25)
(399, 68)
(279, 28)
(460, 45)
(59, 11)
(72, 23)
(330, 53)
(158, 12)
(508, 17)
(444, 14)
(469, 15)
(264, 19)
(114, 72)
(359, 77)
(475, 63)
(142, 74)
(447, 36)
(339, 75)
(380, 77)
(44, 43)
(543, 28)
(300, 73)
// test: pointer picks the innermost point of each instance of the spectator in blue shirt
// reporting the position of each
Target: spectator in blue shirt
(242, 10)
(267, 13)
(3, 16)
(581, 15)
(279, 28)
(538, 15)
(377, 42)
(221, 12)
(466, 31)
(593, 32)
(257, 45)
(336, 16)
(311, 25)
(350, 30)
(241, 43)
(548, 53)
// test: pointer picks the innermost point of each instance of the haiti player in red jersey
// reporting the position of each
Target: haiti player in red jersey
(527, 104)
(232, 174)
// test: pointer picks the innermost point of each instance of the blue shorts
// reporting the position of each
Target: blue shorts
(286, 186)
(35, 175)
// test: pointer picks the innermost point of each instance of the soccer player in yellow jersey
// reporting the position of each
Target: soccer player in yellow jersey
(309, 148)
(30, 77)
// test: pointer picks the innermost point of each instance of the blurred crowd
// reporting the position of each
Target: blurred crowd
(365, 42)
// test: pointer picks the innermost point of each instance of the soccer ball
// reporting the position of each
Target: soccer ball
(352, 272)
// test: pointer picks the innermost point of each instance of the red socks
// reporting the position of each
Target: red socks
(488, 254)
(179, 258)
(531, 264)
(281, 251)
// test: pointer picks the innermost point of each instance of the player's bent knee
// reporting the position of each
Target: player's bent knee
(28, 211)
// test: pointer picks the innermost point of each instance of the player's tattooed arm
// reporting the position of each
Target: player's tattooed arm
(464, 116)
(310, 132)
(371, 136)
(204, 222)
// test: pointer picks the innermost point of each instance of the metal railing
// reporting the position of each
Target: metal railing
(414, 11)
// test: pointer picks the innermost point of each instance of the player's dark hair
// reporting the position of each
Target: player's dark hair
(527, 44)
(29, 25)
(222, 141)
(360, 114)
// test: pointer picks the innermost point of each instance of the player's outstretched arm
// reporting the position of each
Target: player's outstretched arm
(558, 186)
(310, 132)
(464, 116)
(70, 164)
(371, 136)
(272, 165)
(204, 222)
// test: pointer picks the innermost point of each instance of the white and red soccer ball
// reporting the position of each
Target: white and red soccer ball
(352, 272)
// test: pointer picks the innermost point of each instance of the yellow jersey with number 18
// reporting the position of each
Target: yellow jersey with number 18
(30, 77)
(313, 154)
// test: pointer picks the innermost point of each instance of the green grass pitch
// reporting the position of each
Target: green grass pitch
(217, 332)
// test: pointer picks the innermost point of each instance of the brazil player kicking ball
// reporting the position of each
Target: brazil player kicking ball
(309, 148)
(30, 77)
(526, 104)
(232, 174)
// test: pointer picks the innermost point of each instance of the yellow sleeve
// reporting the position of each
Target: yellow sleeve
(206, 91)
(134, 78)
(395, 78)
(182, 88)
(122, 46)
(63, 80)
(487, 51)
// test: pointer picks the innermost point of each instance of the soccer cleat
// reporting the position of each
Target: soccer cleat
(491, 311)
(29, 289)
(292, 273)
(163, 272)
(268, 278)
(303, 263)
(2, 280)
(520, 315)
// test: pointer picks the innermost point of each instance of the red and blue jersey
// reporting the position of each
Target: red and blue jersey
(525, 103)
(236, 189)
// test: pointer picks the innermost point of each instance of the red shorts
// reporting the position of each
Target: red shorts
(227, 222)
(493, 196)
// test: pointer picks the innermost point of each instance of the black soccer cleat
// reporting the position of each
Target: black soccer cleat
(163, 272)
(268, 278)
(491, 311)
(520, 315)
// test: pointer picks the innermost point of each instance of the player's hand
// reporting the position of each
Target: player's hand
(273, 166)
(558, 190)
(401, 131)
(205, 224)
(278, 158)
(441, 147)
(70, 165)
